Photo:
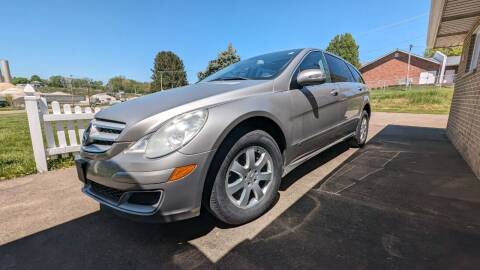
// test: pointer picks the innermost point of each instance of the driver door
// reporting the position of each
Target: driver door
(315, 107)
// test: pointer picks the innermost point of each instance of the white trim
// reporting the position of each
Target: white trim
(476, 50)
(436, 12)
(66, 117)
(63, 150)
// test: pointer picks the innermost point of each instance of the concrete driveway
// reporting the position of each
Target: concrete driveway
(406, 200)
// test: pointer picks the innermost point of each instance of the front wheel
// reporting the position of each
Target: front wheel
(248, 179)
(361, 132)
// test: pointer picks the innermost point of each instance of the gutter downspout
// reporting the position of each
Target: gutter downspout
(442, 69)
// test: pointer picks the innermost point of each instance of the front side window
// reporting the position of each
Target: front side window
(339, 71)
(314, 60)
(262, 67)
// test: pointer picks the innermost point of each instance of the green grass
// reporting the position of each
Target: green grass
(16, 154)
(9, 109)
(428, 100)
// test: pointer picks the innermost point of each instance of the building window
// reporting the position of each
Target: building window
(473, 51)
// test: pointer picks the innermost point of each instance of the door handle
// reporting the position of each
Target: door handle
(334, 93)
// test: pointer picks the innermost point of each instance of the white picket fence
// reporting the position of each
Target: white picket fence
(54, 123)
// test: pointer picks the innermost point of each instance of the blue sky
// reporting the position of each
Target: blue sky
(101, 39)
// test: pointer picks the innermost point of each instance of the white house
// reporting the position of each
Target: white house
(102, 98)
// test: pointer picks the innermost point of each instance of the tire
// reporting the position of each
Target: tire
(236, 208)
(359, 140)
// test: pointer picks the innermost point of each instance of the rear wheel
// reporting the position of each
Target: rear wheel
(361, 132)
(248, 179)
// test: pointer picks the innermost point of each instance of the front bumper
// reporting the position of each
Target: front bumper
(148, 194)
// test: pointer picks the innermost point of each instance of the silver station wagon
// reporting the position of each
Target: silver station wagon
(224, 143)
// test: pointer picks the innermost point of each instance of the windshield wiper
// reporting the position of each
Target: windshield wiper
(230, 78)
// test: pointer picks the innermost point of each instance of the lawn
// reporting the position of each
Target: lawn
(16, 156)
(430, 100)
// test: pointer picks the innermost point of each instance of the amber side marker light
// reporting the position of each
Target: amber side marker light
(181, 172)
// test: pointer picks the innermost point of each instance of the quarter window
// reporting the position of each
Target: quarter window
(356, 75)
(339, 71)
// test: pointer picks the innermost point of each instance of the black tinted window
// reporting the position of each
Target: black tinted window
(339, 71)
(313, 60)
(263, 67)
(356, 75)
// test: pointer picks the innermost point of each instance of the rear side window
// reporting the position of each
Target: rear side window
(356, 75)
(339, 72)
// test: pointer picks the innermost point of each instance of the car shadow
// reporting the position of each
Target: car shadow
(313, 164)
(404, 216)
(407, 200)
(311, 99)
(102, 240)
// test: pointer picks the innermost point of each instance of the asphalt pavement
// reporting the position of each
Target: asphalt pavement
(405, 201)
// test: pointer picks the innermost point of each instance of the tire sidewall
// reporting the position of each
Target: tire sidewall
(221, 205)
(359, 126)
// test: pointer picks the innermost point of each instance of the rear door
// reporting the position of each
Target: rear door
(315, 105)
(359, 90)
(350, 94)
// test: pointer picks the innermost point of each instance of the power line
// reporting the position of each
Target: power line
(393, 43)
(394, 24)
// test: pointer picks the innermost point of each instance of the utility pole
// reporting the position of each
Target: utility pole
(88, 92)
(407, 83)
(71, 87)
(161, 80)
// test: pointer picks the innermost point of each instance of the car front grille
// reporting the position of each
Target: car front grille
(101, 134)
(105, 192)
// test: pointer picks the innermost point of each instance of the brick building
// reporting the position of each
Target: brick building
(452, 23)
(392, 69)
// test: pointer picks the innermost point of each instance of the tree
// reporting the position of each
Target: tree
(117, 83)
(451, 51)
(36, 78)
(344, 45)
(120, 83)
(224, 59)
(168, 71)
(96, 84)
(56, 81)
(81, 82)
(9, 100)
(19, 80)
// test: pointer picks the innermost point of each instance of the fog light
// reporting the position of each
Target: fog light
(181, 172)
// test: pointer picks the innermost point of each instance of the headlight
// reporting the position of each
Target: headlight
(172, 135)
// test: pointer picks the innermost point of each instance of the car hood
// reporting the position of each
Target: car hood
(189, 98)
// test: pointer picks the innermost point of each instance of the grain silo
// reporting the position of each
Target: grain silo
(5, 72)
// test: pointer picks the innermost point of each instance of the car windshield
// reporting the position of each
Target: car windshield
(262, 67)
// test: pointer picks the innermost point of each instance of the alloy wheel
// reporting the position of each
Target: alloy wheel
(363, 129)
(249, 177)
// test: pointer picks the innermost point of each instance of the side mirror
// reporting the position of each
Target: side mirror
(311, 76)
